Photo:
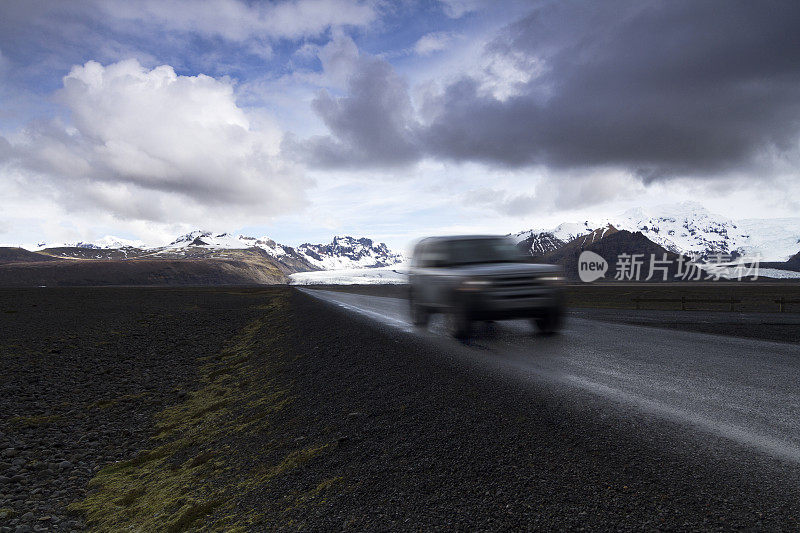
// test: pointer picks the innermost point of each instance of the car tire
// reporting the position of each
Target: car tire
(458, 323)
(550, 323)
(419, 313)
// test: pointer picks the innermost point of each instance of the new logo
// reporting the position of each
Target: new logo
(591, 266)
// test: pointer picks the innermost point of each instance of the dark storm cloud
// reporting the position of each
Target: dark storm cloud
(374, 122)
(5, 149)
(661, 88)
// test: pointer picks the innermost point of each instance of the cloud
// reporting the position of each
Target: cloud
(657, 89)
(549, 192)
(233, 20)
(504, 202)
(432, 42)
(259, 48)
(458, 8)
(5, 149)
(663, 89)
(150, 145)
(43, 39)
(339, 59)
(372, 125)
(237, 21)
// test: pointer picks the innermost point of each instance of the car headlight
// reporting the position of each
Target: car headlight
(474, 284)
(550, 279)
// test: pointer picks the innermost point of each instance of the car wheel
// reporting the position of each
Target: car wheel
(458, 323)
(419, 314)
(550, 322)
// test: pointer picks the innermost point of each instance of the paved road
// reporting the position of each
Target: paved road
(746, 391)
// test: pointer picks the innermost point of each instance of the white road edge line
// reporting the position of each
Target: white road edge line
(391, 321)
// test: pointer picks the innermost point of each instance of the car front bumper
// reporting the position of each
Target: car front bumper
(489, 306)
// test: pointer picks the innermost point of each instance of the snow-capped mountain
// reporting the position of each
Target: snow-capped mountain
(349, 252)
(541, 241)
(686, 228)
(107, 242)
(341, 252)
(774, 239)
(538, 243)
(208, 239)
(564, 232)
(690, 229)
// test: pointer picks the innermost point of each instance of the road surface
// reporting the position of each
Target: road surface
(745, 391)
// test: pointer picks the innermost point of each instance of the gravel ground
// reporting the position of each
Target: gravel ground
(378, 430)
(84, 371)
(430, 445)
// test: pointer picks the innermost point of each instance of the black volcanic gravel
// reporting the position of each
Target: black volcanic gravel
(419, 439)
(428, 443)
(83, 372)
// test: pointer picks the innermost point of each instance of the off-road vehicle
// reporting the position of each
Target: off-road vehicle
(472, 278)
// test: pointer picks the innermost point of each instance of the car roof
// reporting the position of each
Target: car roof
(461, 238)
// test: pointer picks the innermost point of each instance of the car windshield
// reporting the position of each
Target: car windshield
(470, 251)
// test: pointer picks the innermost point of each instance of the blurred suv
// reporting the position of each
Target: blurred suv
(472, 278)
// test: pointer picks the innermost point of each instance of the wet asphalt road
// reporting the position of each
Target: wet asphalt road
(743, 392)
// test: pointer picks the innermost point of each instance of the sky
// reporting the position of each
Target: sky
(305, 119)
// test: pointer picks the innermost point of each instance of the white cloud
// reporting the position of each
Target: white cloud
(259, 48)
(152, 145)
(541, 191)
(507, 75)
(458, 8)
(339, 58)
(432, 42)
(238, 21)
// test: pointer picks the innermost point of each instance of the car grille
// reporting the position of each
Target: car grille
(515, 287)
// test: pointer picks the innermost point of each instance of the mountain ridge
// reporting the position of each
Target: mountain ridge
(687, 229)
(610, 245)
(342, 252)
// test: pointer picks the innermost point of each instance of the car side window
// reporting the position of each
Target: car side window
(425, 257)
(417, 258)
(435, 254)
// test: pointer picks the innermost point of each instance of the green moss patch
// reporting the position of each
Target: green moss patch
(221, 446)
(105, 404)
